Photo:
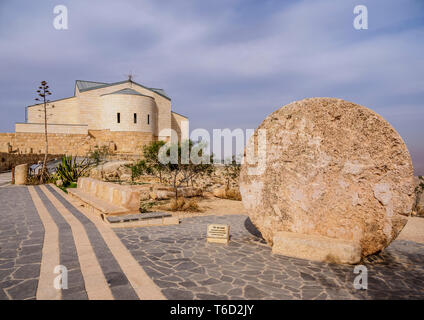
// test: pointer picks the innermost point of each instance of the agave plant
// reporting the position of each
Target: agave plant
(69, 170)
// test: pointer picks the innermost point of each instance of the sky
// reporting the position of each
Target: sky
(224, 63)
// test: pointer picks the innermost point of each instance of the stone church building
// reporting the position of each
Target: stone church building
(123, 116)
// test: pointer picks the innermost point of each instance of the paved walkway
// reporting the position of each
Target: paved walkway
(186, 267)
(41, 228)
(5, 178)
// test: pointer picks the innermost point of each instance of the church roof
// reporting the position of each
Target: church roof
(84, 85)
(127, 91)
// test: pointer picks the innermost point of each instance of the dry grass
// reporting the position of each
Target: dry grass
(183, 204)
(233, 194)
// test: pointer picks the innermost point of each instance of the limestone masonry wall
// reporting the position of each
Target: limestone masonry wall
(10, 160)
(52, 128)
(75, 144)
(177, 121)
(64, 110)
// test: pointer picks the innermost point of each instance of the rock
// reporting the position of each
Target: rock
(189, 192)
(125, 177)
(112, 170)
(219, 192)
(329, 168)
(21, 174)
(419, 192)
(163, 192)
(316, 248)
(59, 183)
(161, 195)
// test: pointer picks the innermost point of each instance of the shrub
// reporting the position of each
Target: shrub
(145, 206)
(69, 170)
(138, 169)
(232, 170)
(99, 154)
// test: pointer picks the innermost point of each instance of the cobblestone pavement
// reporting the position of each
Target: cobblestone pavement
(5, 178)
(21, 241)
(184, 266)
(28, 215)
(177, 258)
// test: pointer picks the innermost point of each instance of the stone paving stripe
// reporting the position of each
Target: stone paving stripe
(21, 244)
(68, 255)
(50, 258)
(95, 282)
(143, 285)
(115, 277)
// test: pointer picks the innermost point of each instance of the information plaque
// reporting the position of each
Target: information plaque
(218, 233)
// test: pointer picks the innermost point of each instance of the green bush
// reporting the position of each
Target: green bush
(99, 154)
(69, 170)
(138, 169)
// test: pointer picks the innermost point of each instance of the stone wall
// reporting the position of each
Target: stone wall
(127, 105)
(10, 160)
(52, 128)
(88, 108)
(75, 144)
(179, 124)
(64, 110)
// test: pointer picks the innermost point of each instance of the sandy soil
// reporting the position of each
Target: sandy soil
(413, 231)
(210, 206)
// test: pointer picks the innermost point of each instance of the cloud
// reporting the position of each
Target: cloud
(226, 63)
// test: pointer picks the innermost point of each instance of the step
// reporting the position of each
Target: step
(124, 196)
(96, 203)
(137, 217)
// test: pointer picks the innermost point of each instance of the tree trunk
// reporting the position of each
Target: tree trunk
(43, 170)
(176, 187)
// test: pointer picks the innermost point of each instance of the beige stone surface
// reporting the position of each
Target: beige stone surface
(125, 142)
(331, 168)
(77, 124)
(50, 254)
(317, 248)
(21, 174)
(51, 128)
(413, 231)
(123, 196)
(97, 108)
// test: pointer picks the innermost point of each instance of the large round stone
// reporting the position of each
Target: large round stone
(330, 168)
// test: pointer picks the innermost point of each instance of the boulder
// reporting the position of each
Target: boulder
(112, 170)
(219, 192)
(331, 168)
(161, 194)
